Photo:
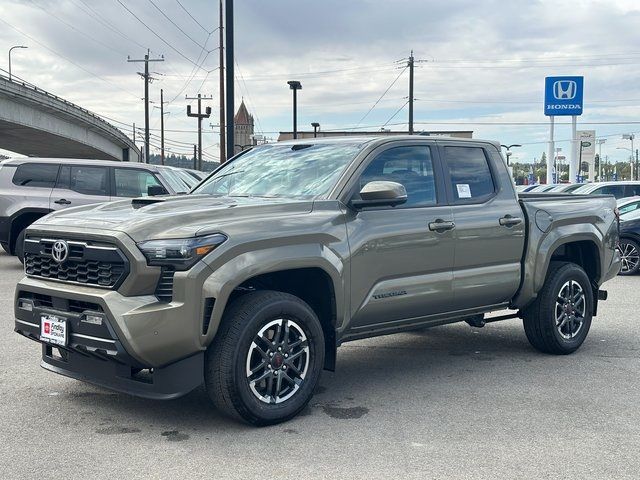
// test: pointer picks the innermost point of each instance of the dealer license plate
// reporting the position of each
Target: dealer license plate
(53, 329)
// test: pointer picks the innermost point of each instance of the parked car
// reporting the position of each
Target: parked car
(186, 177)
(33, 187)
(621, 189)
(250, 283)
(197, 174)
(525, 188)
(542, 188)
(626, 206)
(629, 244)
(182, 182)
(566, 188)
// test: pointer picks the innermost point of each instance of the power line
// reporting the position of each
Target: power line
(175, 24)
(396, 113)
(72, 27)
(382, 96)
(194, 19)
(160, 37)
(96, 16)
(379, 68)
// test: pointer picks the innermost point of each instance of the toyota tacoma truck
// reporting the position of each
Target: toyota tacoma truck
(250, 283)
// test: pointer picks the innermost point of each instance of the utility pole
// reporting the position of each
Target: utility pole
(600, 141)
(223, 154)
(410, 64)
(230, 74)
(162, 126)
(147, 79)
(195, 157)
(199, 116)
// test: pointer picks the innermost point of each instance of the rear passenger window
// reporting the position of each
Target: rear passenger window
(632, 191)
(471, 179)
(36, 175)
(86, 180)
(133, 183)
(409, 166)
(615, 190)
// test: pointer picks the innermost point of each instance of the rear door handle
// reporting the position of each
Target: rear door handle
(62, 201)
(441, 225)
(509, 221)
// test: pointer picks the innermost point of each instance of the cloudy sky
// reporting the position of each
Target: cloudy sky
(481, 63)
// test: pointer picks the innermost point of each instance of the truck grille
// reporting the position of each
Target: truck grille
(86, 264)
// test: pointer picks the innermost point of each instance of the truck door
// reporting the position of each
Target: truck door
(401, 257)
(490, 228)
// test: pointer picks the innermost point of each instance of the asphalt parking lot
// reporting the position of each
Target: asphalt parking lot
(450, 402)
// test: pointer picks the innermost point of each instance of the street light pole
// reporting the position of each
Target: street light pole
(12, 48)
(508, 150)
(295, 86)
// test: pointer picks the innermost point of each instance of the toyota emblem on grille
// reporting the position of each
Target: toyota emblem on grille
(60, 251)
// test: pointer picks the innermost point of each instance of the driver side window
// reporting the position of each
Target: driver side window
(410, 166)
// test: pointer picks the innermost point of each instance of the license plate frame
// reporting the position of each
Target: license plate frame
(54, 329)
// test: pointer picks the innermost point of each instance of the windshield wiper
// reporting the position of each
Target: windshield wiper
(217, 177)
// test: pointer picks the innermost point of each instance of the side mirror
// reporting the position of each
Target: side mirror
(155, 190)
(381, 193)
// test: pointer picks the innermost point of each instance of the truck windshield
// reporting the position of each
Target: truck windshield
(305, 171)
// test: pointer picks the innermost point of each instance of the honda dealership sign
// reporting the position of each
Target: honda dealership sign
(563, 95)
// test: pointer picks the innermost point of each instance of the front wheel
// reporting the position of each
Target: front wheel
(266, 358)
(558, 321)
(630, 256)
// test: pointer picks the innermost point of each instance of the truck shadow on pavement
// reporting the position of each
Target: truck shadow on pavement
(370, 375)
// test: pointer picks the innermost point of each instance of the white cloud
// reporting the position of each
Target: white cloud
(485, 61)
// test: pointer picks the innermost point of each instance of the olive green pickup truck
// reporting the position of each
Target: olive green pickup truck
(250, 283)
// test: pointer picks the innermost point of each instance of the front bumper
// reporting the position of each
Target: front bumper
(98, 351)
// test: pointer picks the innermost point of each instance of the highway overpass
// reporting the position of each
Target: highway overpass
(36, 123)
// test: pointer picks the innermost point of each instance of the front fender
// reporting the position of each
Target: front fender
(227, 277)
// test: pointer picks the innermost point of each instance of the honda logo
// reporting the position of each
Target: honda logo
(565, 89)
(60, 251)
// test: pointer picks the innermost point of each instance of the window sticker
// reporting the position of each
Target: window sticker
(464, 191)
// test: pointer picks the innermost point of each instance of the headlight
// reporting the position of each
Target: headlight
(181, 253)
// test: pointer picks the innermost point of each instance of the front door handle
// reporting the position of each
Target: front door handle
(510, 221)
(62, 201)
(441, 225)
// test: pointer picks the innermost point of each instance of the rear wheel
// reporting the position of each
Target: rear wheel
(559, 319)
(630, 256)
(266, 359)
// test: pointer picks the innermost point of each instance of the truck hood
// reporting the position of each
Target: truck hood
(179, 216)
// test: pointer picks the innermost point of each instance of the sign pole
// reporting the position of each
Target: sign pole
(550, 153)
(573, 176)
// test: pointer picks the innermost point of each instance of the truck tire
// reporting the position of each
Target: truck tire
(19, 248)
(630, 256)
(266, 358)
(558, 321)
